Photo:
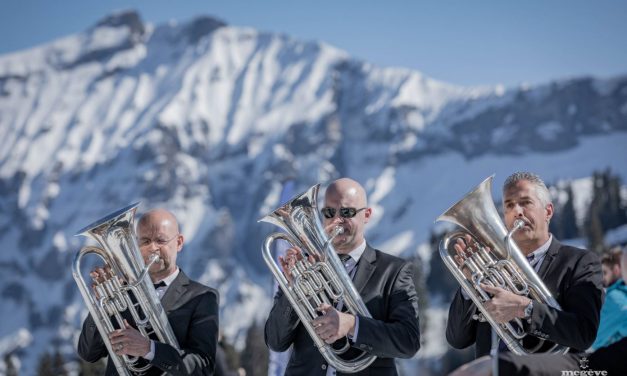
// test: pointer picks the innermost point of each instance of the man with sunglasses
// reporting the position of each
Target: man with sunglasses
(191, 307)
(386, 286)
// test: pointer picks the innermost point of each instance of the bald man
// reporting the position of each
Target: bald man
(191, 307)
(386, 286)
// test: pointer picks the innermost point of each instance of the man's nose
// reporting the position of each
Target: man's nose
(340, 219)
(152, 247)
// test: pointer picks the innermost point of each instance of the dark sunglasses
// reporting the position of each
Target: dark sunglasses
(344, 212)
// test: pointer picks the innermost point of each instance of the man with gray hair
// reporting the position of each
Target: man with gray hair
(572, 275)
(603, 361)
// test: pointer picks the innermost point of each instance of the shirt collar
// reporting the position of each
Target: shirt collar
(356, 253)
(540, 252)
(169, 279)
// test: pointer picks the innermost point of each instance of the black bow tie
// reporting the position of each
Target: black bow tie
(160, 284)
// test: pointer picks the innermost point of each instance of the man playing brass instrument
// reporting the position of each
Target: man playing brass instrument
(192, 309)
(607, 360)
(384, 282)
(572, 275)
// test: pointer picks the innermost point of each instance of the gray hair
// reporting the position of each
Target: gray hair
(542, 192)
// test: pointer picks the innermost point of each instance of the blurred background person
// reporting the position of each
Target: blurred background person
(613, 325)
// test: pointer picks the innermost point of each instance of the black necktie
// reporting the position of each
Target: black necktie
(160, 284)
(349, 265)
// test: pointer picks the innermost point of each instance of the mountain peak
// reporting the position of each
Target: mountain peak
(129, 18)
(201, 26)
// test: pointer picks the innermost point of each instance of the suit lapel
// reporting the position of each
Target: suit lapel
(365, 268)
(548, 259)
(174, 292)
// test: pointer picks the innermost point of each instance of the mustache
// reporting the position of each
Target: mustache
(157, 256)
(524, 222)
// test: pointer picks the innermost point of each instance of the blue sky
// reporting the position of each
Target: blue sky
(461, 42)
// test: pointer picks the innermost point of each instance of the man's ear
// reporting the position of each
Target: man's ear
(549, 211)
(367, 214)
(616, 270)
(179, 242)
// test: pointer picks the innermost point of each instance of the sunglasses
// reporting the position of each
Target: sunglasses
(344, 212)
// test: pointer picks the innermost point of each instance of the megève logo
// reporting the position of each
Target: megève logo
(584, 371)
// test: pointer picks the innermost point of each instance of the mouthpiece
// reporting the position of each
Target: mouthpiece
(518, 224)
(151, 260)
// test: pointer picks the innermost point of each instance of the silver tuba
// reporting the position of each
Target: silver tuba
(503, 265)
(323, 281)
(127, 276)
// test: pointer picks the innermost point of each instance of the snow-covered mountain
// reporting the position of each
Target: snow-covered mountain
(208, 120)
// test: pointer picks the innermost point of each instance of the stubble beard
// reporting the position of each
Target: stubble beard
(526, 238)
(344, 242)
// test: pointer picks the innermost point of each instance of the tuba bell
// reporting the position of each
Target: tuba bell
(502, 265)
(126, 288)
(323, 281)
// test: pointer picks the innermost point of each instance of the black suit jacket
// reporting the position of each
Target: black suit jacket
(192, 311)
(574, 278)
(387, 288)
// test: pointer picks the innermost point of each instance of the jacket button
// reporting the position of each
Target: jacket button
(324, 366)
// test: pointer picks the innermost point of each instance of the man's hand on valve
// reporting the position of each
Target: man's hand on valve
(98, 276)
(505, 305)
(333, 324)
(129, 341)
(289, 260)
(464, 250)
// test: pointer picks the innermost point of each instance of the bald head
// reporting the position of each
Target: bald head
(158, 233)
(342, 195)
(159, 217)
(348, 188)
